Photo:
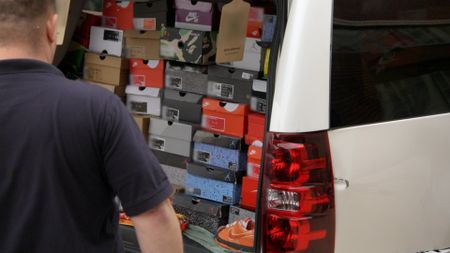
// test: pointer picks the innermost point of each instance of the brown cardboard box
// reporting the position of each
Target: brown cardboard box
(106, 69)
(143, 124)
(142, 44)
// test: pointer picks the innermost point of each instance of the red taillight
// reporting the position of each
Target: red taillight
(297, 195)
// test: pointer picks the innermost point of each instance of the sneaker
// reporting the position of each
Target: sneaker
(238, 236)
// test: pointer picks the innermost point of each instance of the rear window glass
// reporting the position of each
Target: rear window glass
(390, 60)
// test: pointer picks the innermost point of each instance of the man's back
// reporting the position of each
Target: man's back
(66, 148)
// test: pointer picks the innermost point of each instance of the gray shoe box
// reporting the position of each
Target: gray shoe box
(182, 106)
(187, 77)
(258, 101)
(231, 84)
(237, 213)
(171, 137)
(215, 173)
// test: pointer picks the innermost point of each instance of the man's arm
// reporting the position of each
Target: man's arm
(158, 230)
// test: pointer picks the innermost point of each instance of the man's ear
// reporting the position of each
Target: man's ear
(51, 28)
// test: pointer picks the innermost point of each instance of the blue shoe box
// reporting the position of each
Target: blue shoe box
(220, 151)
(215, 190)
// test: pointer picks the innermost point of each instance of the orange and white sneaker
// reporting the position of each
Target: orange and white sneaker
(238, 236)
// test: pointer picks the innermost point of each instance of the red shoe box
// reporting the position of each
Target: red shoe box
(249, 193)
(118, 14)
(255, 22)
(147, 73)
(224, 117)
(256, 126)
(254, 156)
(83, 31)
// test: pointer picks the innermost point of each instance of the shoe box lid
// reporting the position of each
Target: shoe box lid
(143, 91)
(185, 97)
(142, 44)
(223, 107)
(185, 45)
(220, 140)
(147, 73)
(215, 173)
(187, 77)
(118, 14)
(107, 40)
(169, 129)
(170, 159)
(105, 69)
(198, 6)
(144, 8)
(210, 208)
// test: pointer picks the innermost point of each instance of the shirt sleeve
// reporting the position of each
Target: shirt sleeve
(132, 171)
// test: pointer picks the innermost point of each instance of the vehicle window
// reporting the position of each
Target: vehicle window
(390, 60)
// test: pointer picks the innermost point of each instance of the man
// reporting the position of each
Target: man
(66, 149)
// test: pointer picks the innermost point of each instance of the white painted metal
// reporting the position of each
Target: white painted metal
(301, 96)
(398, 199)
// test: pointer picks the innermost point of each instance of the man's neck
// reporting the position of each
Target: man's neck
(9, 53)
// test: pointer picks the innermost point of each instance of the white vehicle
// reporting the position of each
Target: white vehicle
(357, 149)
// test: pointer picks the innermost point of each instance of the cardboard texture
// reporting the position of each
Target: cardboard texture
(106, 40)
(237, 213)
(143, 123)
(118, 90)
(255, 22)
(62, 9)
(201, 212)
(172, 160)
(187, 77)
(232, 31)
(256, 126)
(143, 101)
(171, 137)
(82, 33)
(105, 69)
(215, 173)
(249, 193)
(176, 176)
(258, 102)
(220, 151)
(268, 30)
(215, 190)
(144, 73)
(230, 84)
(142, 44)
(224, 117)
(252, 56)
(198, 16)
(189, 46)
(254, 157)
(182, 106)
(151, 15)
(118, 14)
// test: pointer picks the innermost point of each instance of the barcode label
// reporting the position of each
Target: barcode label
(140, 107)
(158, 143)
(173, 114)
(221, 90)
(176, 82)
(202, 156)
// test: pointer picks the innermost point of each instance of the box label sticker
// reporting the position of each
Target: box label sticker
(176, 82)
(111, 35)
(138, 80)
(202, 156)
(145, 24)
(158, 143)
(247, 76)
(258, 105)
(233, 166)
(139, 107)
(227, 199)
(173, 114)
(136, 52)
(214, 123)
(222, 90)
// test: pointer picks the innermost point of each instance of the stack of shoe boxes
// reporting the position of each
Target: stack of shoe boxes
(204, 122)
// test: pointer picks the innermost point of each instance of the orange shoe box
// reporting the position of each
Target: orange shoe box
(255, 22)
(147, 73)
(256, 126)
(224, 117)
(118, 15)
(249, 193)
(254, 156)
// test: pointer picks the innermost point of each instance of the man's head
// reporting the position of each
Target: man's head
(27, 29)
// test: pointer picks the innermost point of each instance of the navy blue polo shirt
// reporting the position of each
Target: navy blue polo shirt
(66, 149)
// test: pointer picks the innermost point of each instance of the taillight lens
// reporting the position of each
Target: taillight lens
(298, 212)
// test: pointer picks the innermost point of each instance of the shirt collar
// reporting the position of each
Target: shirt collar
(20, 66)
